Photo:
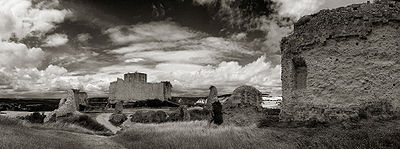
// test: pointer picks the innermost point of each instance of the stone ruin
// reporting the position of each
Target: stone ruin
(118, 117)
(243, 108)
(213, 95)
(68, 105)
(135, 87)
(216, 113)
(343, 64)
(211, 98)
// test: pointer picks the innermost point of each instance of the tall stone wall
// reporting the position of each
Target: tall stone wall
(342, 63)
(134, 88)
(80, 98)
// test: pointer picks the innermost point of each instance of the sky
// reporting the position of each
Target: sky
(49, 46)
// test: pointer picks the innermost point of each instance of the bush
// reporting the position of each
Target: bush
(149, 117)
(152, 103)
(118, 119)
(198, 114)
(8, 121)
(84, 121)
(35, 117)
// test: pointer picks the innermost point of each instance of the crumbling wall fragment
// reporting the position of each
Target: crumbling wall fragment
(243, 108)
(67, 107)
(339, 61)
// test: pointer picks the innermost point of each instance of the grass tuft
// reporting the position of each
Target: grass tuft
(84, 121)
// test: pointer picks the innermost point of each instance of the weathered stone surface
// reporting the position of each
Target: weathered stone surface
(118, 118)
(67, 106)
(245, 96)
(337, 62)
(81, 99)
(135, 87)
(62, 102)
(243, 108)
(213, 95)
(217, 113)
(119, 107)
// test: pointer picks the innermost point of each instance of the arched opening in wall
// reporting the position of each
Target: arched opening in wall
(300, 73)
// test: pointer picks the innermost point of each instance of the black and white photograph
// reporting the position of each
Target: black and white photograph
(199, 74)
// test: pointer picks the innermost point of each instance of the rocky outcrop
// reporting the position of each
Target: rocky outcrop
(67, 107)
(119, 107)
(117, 118)
(213, 95)
(340, 63)
(245, 96)
(243, 108)
(216, 113)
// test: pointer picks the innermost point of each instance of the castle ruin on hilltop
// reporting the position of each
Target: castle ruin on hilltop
(135, 87)
(343, 64)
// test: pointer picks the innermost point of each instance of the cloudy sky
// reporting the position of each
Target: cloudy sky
(48, 46)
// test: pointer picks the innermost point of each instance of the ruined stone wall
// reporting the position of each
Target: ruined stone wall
(80, 98)
(129, 90)
(167, 89)
(339, 64)
(136, 77)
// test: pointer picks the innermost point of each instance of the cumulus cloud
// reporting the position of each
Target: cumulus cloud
(21, 18)
(230, 75)
(19, 62)
(19, 55)
(55, 40)
(298, 8)
(153, 31)
(84, 37)
(26, 79)
(191, 60)
(53, 79)
(196, 78)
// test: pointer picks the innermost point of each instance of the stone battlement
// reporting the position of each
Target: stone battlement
(357, 20)
(135, 87)
(136, 77)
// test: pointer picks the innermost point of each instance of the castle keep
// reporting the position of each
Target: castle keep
(343, 64)
(134, 87)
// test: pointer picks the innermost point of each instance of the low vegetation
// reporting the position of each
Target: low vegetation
(118, 119)
(15, 134)
(35, 117)
(199, 134)
(84, 121)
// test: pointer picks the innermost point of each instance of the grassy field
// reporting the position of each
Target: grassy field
(15, 133)
(199, 134)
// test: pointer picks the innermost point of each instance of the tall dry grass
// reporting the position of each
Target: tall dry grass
(14, 134)
(199, 134)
